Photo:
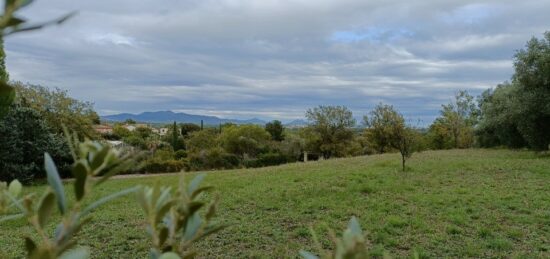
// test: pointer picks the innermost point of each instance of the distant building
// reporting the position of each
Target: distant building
(132, 127)
(115, 143)
(103, 129)
(163, 131)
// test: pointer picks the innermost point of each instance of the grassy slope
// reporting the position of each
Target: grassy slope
(460, 203)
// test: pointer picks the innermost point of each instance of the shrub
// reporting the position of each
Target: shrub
(268, 159)
(24, 137)
(350, 245)
(93, 164)
(244, 140)
(201, 140)
(174, 221)
(180, 154)
(162, 166)
(292, 147)
(215, 158)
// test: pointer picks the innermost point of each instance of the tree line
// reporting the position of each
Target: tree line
(514, 114)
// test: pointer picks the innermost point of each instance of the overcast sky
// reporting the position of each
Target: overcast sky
(274, 59)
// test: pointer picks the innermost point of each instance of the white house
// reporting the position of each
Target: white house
(163, 131)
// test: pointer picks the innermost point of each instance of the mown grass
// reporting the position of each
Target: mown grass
(458, 203)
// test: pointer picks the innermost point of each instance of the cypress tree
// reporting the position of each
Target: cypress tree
(175, 136)
(4, 76)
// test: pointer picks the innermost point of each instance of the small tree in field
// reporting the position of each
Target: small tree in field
(381, 123)
(404, 141)
(387, 129)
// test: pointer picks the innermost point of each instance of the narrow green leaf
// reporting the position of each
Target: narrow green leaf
(354, 226)
(108, 198)
(15, 188)
(308, 255)
(24, 3)
(194, 184)
(143, 200)
(80, 174)
(45, 208)
(99, 158)
(211, 230)
(200, 190)
(163, 235)
(11, 217)
(14, 21)
(55, 182)
(195, 206)
(163, 210)
(57, 21)
(169, 255)
(126, 164)
(211, 210)
(78, 253)
(193, 225)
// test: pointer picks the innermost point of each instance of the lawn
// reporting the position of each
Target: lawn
(457, 203)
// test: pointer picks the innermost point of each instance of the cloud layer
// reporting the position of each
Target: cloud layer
(274, 59)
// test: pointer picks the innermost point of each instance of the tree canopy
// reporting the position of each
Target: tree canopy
(518, 113)
(276, 130)
(59, 109)
(329, 132)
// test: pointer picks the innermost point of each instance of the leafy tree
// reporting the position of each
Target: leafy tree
(458, 118)
(130, 122)
(143, 132)
(58, 109)
(202, 140)
(136, 141)
(405, 140)
(244, 140)
(7, 93)
(438, 135)
(188, 128)
(387, 129)
(329, 131)
(276, 130)
(4, 75)
(498, 124)
(532, 77)
(120, 131)
(293, 146)
(380, 126)
(517, 114)
(24, 137)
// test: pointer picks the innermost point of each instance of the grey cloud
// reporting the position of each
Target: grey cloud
(274, 59)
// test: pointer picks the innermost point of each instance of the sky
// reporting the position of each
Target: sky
(274, 59)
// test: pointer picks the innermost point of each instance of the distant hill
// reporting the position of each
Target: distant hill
(180, 117)
(296, 123)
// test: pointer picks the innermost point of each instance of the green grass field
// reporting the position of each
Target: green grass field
(458, 203)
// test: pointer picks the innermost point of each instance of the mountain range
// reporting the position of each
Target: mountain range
(180, 117)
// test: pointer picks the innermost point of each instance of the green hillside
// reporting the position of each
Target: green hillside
(457, 203)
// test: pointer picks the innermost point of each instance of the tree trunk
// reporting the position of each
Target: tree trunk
(403, 161)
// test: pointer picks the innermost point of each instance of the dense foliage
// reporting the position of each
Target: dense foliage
(518, 114)
(329, 132)
(58, 109)
(276, 130)
(24, 137)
